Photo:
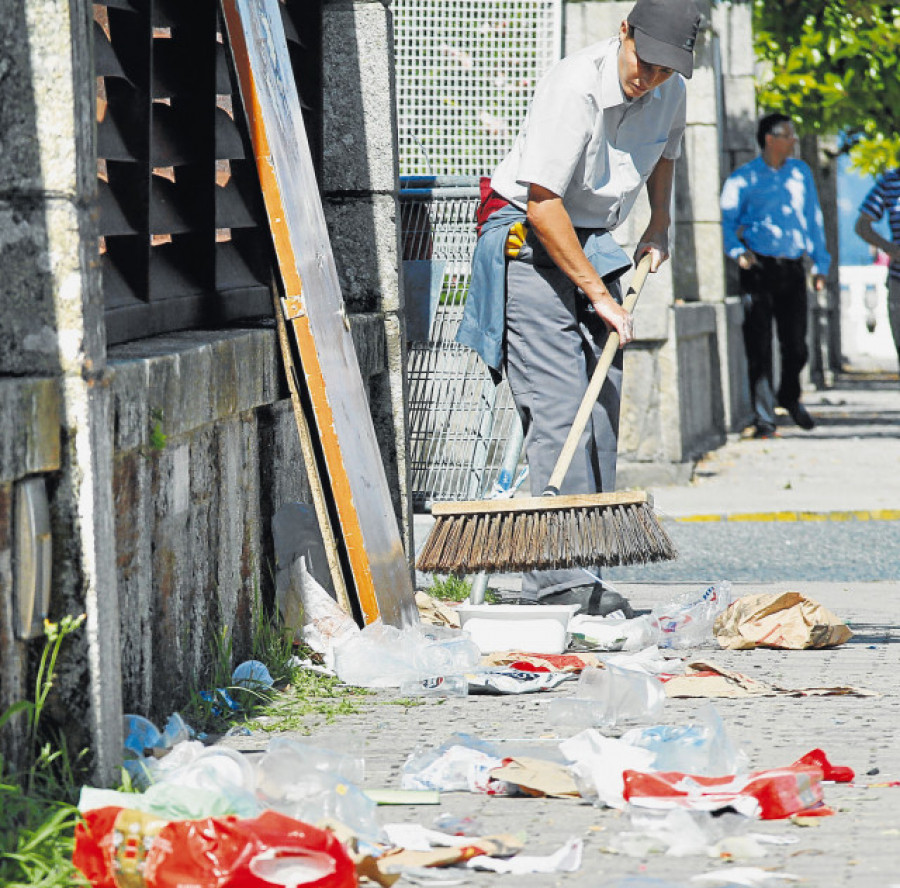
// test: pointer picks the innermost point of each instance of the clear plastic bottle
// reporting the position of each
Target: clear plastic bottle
(436, 686)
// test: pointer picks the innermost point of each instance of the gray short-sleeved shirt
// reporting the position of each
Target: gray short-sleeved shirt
(585, 141)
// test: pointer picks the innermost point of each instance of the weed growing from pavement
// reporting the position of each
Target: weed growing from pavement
(37, 812)
(456, 588)
(408, 702)
(309, 694)
(297, 692)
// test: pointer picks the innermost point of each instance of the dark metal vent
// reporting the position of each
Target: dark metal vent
(184, 239)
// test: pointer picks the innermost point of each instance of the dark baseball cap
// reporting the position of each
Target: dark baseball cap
(665, 31)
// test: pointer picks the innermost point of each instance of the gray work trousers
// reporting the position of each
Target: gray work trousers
(553, 342)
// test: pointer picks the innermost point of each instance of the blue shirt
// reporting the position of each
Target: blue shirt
(774, 213)
(885, 198)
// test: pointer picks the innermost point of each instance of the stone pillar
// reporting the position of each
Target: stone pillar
(51, 315)
(733, 29)
(360, 184)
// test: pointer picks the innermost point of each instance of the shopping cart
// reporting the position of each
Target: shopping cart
(459, 419)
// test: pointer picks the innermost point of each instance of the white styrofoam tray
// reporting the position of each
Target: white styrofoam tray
(535, 628)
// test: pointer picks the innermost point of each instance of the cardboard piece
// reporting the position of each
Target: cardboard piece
(399, 859)
(705, 679)
(432, 610)
(787, 620)
(376, 566)
(537, 777)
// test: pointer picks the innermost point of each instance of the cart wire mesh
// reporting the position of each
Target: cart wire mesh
(466, 70)
(459, 419)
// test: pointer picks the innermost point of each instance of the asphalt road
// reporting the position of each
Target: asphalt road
(775, 551)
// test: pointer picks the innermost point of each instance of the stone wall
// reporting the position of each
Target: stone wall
(206, 452)
(165, 459)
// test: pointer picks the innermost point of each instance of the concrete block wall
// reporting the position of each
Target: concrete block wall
(192, 515)
(192, 510)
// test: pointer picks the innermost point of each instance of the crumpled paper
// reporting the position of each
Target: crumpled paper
(779, 620)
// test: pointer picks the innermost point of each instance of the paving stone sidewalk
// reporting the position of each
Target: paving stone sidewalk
(859, 846)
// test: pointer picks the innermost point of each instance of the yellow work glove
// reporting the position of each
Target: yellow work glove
(515, 239)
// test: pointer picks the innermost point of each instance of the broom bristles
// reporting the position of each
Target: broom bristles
(545, 538)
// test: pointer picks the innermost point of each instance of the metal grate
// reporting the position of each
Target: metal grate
(459, 419)
(466, 70)
(184, 241)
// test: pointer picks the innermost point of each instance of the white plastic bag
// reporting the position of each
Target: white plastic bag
(323, 622)
(687, 620)
(382, 656)
(608, 697)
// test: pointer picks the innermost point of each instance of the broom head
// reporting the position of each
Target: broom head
(544, 533)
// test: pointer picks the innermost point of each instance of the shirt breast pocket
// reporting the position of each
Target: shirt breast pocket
(646, 156)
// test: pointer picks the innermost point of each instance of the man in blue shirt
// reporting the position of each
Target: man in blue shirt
(771, 220)
(885, 198)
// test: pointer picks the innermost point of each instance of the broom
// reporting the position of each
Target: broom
(551, 531)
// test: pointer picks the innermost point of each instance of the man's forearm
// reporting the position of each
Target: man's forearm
(659, 193)
(655, 239)
(553, 226)
(865, 230)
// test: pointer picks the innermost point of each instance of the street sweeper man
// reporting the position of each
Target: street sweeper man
(545, 285)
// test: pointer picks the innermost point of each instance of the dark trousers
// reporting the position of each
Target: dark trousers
(774, 289)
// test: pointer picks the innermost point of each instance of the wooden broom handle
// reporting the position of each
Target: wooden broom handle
(596, 383)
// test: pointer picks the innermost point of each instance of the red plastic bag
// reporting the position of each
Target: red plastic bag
(111, 845)
(776, 793)
(770, 795)
(818, 759)
(216, 852)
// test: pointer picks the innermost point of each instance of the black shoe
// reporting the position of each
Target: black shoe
(800, 415)
(593, 599)
(580, 595)
(765, 431)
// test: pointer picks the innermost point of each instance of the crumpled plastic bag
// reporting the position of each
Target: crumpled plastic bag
(779, 620)
(113, 845)
(382, 656)
(321, 620)
(687, 620)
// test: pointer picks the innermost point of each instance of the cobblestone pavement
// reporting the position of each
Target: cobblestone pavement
(845, 473)
(859, 846)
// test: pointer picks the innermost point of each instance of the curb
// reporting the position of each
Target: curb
(853, 515)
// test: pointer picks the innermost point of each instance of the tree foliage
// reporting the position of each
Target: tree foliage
(831, 65)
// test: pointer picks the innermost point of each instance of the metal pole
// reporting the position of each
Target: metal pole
(505, 478)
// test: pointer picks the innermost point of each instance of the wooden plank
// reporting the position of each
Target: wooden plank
(320, 503)
(379, 574)
(544, 503)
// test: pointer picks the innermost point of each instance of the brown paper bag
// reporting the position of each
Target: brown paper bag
(779, 620)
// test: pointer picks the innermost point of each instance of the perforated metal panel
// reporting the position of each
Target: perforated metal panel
(459, 419)
(466, 70)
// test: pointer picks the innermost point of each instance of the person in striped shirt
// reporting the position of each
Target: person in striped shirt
(885, 198)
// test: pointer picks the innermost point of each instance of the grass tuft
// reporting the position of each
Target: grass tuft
(37, 811)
